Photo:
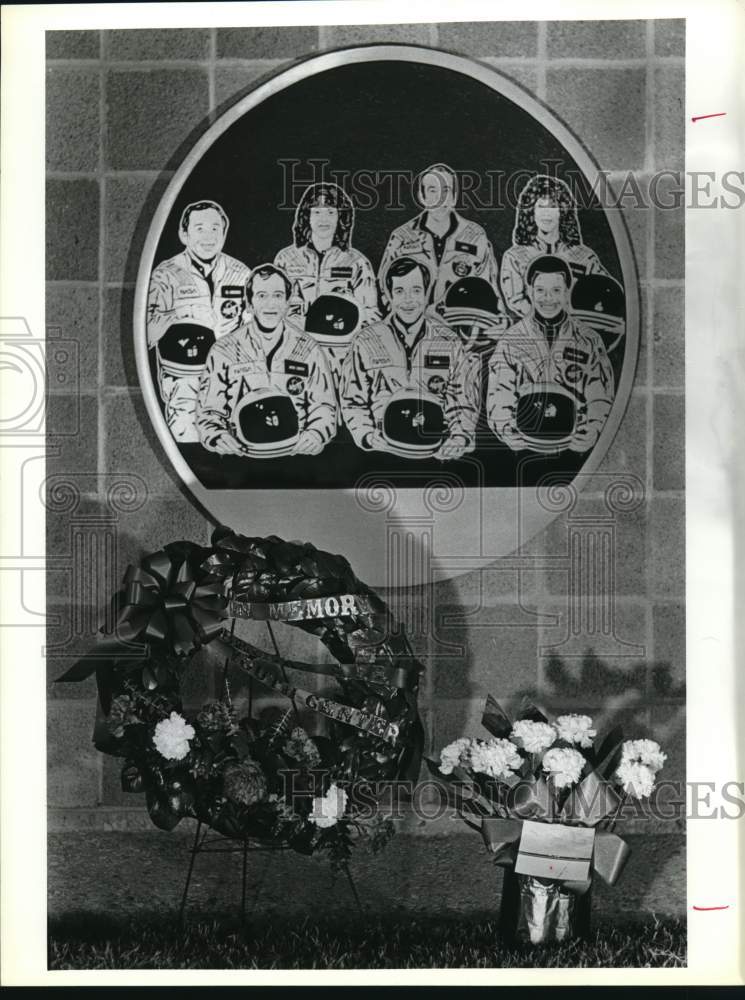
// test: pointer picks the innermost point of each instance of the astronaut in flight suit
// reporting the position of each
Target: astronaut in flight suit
(268, 358)
(550, 352)
(322, 261)
(546, 223)
(194, 298)
(450, 246)
(411, 356)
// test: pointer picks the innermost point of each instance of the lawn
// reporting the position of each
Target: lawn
(82, 941)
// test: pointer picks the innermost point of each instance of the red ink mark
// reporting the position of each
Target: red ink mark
(711, 907)
(719, 114)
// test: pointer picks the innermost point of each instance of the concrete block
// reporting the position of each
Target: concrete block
(73, 763)
(668, 727)
(76, 452)
(669, 127)
(130, 203)
(667, 541)
(606, 109)
(669, 442)
(524, 75)
(630, 560)
(232, 81)
(628, 452)
(364, 34)
(150, 114)
(596, 39)
(64, 645)
(143, 44)
(669, 337)
(72, 119)
(472, 655)
(669, 216)
(594, 666)
(265, 43)
(485, 587)
(669, 623)
(119, 365)
(73, 44)
(490, 38)
(132, 447)
(73, 310)
(72, 216)
(670, 37)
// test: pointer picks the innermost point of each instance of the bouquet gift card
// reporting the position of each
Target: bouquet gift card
(555, 851)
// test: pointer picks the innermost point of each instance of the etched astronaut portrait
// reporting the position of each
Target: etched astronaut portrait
(434, 298)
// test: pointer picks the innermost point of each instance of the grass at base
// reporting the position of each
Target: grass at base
(83, 941)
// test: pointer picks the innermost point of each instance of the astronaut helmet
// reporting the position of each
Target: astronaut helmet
(185, 346)
(332, 320)
(598, 300)
(413, 423)
(265, 421)
(546, 416)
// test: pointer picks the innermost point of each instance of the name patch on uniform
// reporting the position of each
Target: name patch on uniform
(573, 354)
(341, 272)
(436, 360)
(296, 368)
(462, 247)
(579, 269)
(232, 291)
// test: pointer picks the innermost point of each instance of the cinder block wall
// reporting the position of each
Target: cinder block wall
(119, 104)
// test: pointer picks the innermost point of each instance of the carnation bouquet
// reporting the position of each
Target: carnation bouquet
(545, 795)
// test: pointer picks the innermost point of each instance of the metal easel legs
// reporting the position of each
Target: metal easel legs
(199, 848)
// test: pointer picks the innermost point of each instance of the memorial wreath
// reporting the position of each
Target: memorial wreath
(265, 778)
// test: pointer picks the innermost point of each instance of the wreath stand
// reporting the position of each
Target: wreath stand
(217, 844)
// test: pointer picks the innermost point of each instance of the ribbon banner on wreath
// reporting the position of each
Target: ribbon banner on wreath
(231, 772)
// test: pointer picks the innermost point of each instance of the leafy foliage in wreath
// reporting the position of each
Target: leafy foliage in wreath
(264, 778)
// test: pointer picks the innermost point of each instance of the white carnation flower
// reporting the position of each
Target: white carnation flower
(454, 754)
(564, 765)
(329, 810)
(576, 729)
(637, 779)
(495, 758)
(645, 752)
(172, 735)
(534, 737)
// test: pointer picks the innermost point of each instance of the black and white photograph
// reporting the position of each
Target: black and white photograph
(358, 425)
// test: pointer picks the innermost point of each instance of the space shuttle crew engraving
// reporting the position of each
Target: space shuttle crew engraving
(194, 298)
(550, 380)
(408, 386)
(266, 389)
(441, 353)
(546, 223)
(450, 246)
(324, 268)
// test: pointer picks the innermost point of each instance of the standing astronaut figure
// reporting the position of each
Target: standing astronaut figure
(323, 262)
(550, 381)
(266, 390)
(194, 299)
(450, 246)
(545, 223)
(408, 387)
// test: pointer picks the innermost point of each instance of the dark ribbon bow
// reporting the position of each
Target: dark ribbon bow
(163, 603)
